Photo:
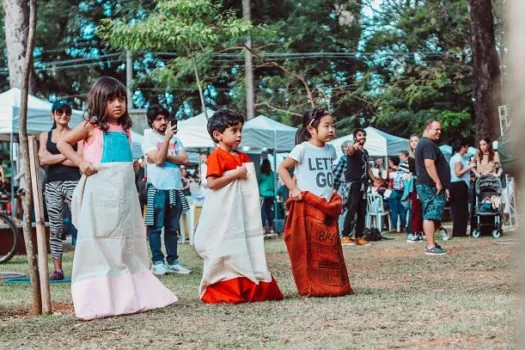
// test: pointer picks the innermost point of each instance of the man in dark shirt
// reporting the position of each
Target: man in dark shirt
(433, 182)
(356, 175)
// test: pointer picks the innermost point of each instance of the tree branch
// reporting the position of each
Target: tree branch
(277, 109)
(286, 71)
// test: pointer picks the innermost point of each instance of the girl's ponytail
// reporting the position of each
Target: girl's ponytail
(54, 124)
(311, 118)
(302, 135)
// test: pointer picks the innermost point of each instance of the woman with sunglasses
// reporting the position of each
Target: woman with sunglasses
(62, 178)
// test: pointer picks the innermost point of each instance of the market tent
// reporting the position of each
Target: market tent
(378, 143)
(136, 145)
(193, 132)
(265, 133)
(38, 116)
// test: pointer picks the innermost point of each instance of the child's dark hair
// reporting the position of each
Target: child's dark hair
(222, 119)
(394, 160)
(266, 167)
(311, 118)
(456, 145)
(105, 89)
(154, 111)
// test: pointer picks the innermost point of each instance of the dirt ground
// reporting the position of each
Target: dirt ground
(403, 300)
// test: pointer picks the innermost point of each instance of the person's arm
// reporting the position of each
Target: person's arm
(84, 131)
(181, 158)
(473, 165)
(289, 163)
(430, 166)
(159, 156)
(46, 158)
(351, 149)
(218, 182)
(371, 175)
(460, 170)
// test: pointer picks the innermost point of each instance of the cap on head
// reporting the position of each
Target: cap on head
(59, 105)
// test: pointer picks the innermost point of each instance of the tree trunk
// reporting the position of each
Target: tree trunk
(248, 65)
(16, 33)
(24, 148)
(487, 90)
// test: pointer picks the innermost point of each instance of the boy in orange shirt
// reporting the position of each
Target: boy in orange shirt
(232, 244)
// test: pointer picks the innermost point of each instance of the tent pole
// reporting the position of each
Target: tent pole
(274, 176)
(11, 163)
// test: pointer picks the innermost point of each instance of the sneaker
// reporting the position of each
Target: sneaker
(159, 269)
(415, 238)
(179, 269)
(410, 236)
(345, 240)
(361, 241)
(435, 250)
(444, 233)
(57, 276)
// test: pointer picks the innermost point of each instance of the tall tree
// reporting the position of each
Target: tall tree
(16, 24)
(190, 28)
(487, 90)
(420, 63)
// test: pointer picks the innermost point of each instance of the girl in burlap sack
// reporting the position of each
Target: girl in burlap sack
(311, 232)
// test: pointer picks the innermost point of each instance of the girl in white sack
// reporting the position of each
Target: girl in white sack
(110, 267)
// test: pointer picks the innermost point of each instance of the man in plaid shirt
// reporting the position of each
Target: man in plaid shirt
(340, 185)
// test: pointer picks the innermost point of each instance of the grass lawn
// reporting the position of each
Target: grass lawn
(403, 299)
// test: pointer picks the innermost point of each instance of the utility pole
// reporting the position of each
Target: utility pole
(248, 66)
(129, 77)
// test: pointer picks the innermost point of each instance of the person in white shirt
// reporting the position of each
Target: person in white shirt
(460, 182)
(165, 154)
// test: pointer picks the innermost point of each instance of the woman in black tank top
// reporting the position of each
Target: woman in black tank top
(62, 178)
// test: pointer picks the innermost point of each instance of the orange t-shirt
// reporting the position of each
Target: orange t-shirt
(220, 161)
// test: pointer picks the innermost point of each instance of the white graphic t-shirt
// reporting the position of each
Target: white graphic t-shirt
(314, 169)
(168, 175)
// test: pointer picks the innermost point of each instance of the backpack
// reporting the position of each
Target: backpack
(399, 181)
(372, 234)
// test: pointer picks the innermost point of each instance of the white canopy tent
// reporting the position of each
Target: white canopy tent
(38, 116)
(378, 143)
(193, 132)
(263, 132)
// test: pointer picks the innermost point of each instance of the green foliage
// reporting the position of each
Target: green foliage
(422, 66)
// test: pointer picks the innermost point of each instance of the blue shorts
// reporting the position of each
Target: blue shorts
(433, 204)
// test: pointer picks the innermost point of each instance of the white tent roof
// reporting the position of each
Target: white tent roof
(378, 143)
(193, 132)
(136, 145)
(39, 113)
(263, 132)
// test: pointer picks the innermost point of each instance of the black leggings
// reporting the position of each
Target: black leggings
(459, 204)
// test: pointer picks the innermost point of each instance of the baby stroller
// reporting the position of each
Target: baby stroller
(488, 192)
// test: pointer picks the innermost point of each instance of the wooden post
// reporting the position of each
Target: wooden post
(24, 149)
(40, 222)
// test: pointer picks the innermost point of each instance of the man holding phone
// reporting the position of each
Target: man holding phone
(165, 154)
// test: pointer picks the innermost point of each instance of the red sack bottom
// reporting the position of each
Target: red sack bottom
(241, 290)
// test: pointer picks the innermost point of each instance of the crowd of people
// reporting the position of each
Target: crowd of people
(89, 169)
